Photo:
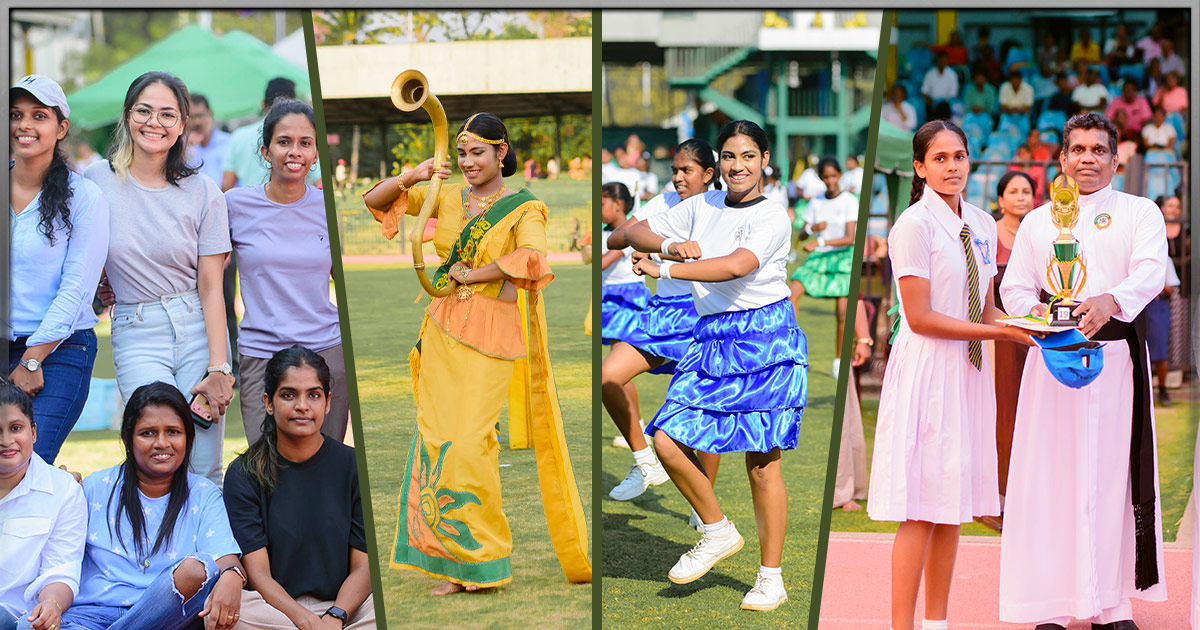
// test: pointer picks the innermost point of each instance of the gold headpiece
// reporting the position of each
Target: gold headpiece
(464, 134)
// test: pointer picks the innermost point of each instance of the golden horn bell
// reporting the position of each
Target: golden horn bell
(410, 92)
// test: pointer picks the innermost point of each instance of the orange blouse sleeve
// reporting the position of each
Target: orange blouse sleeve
(409, 202)
(526, 265)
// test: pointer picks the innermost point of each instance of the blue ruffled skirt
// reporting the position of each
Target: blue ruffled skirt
(742, 384)
(665, 329)
(620, 307)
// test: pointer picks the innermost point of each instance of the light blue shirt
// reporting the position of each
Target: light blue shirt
(53, 285)
(211, 159)
(113, 573)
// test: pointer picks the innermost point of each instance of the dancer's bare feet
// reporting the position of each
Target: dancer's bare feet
(450, 588)
(851, 506)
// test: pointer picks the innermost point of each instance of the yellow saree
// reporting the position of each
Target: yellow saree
(473, 355)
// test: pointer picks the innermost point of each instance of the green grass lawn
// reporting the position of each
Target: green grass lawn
(88, 451)
(1176, 444)
(643, 538)
(384, 324)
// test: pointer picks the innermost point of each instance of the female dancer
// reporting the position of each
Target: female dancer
(281, 238)
(45, 521)
(58, 241)
(492, 241)
(159, 550)
(1015, 196)
(935, 456)
(662, 333)
(294, 474)
(166, 257)
(741, 385)
(831, 218)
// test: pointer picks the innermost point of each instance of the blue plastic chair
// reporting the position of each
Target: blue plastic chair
(1052, 119)
(918, 60)
(1015, 124)
(1135, 71)
(1176, 120)
(982, 120)
(1161, 180)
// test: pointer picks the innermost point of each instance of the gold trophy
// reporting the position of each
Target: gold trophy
(1066, 271)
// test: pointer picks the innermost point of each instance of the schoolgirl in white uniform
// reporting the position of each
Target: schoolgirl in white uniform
(625, 295)
(934, 463)
(663, 332)
(742, 385)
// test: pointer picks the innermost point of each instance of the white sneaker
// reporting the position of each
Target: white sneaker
(768, 593)
(695, 523)
(621, 442)
(708, 552)
(837, 368)
(637, 480)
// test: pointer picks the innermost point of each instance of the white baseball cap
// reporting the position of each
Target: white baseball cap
(46, 90)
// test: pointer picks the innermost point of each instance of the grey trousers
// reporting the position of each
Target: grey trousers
(253, 372)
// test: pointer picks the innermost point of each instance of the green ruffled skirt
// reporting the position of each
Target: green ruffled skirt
(826, 274)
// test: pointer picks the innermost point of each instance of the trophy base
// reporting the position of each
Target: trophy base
(1060, 315)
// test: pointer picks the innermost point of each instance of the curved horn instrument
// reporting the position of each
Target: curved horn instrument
(410, 92)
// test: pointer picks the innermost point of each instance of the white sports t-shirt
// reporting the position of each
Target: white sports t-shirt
(620, 272)
(662, 203)
(760, 226)
(835, 213)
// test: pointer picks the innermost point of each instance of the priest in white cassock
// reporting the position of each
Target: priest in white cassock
(1082, 529)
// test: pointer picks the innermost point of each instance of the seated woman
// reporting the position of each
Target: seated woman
(159, 551)
(44, 521)
(296, 510)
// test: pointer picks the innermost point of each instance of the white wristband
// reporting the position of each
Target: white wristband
(656, 258)
(820, 241)
(665, 248)
(664, 270)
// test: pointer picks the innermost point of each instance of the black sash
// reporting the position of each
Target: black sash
(1141, 446)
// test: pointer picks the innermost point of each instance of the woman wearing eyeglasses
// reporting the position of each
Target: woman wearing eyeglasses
(169, 236)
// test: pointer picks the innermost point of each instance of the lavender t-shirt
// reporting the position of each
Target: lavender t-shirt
(284, 264)
(157, 235)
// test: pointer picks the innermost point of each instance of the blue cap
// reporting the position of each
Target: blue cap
(1072, 359)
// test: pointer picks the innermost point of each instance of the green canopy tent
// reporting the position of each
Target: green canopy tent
(232, 71)
(893, 158)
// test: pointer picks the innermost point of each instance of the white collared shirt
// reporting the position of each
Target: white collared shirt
(940, 85)
(43, 522)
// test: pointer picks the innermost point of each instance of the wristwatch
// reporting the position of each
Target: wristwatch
(236, 569)
(338, 614)
(867, 340)
(32, 365)
(224, 368)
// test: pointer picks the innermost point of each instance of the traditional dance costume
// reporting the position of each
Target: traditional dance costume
(742, 384)
(664, 328)
(471, 356)
(935, 440)
(826, 271)
(623, 297)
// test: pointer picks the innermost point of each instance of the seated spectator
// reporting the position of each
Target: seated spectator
(989, 65)
(1127, 144)
(1172, 97)
(956, 52)
(1120, 50)
(1048, 51)
(1092, 95)
(1158, 133)
(1061, 100)
(941, 83)
(1016, 96)
(980, 96)
(1044, 83)
(1171, 62)
(1155, 78)
(1137, 110)
(1150, 45)
(985, 36)
(1085, 49)
(898, 111)
(1060, 64)
(1039, 153)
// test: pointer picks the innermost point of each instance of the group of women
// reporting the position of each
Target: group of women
(153, 542)
(722, 324)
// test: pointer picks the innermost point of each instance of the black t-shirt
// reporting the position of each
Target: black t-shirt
(307, 525)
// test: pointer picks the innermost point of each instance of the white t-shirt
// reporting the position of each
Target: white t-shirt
(1021, 97)
(940, 86)
(1090, 95)
(852, 180)
(810, 184)
(1158, 136)
(891, 113)
(666, 287)
(631, 177)
(760, 226)
(836, 213)
(620, 272)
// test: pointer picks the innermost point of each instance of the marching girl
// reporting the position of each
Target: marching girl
(59, 239)
(741, 386)
(662, 333)
(935, 448)
(491, 240)
(831, 217)
(624, 295)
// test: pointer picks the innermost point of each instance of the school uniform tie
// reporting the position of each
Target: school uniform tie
(974, 348)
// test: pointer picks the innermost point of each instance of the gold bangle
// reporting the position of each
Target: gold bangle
(867, 340)
(419, 266)
(400, 183)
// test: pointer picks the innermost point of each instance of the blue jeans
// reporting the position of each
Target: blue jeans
(7, 620)
(165, 340)
(67, 373)
(161, 607)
